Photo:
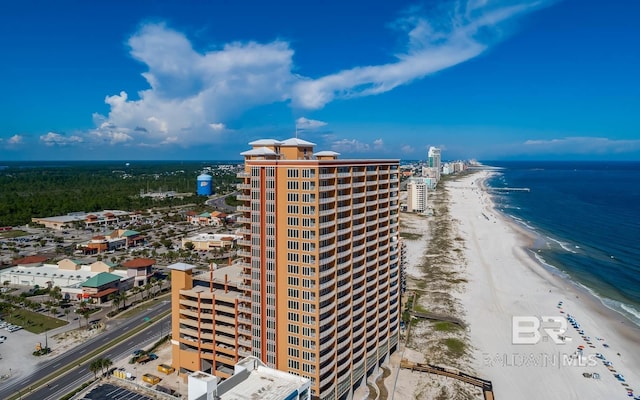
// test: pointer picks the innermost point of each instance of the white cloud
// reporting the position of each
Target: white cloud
(305, 123)
(349, 146)
(193, 95)
(378, 144)
(56, 139)
(407, 149)
(15, 140)
(581, 145)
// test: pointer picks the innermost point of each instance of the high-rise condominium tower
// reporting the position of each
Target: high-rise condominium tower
(434, 163)
(316, 291)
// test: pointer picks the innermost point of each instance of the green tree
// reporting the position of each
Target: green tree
(189, 246)
(95, 366)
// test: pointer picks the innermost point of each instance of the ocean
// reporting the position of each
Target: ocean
(586, 216)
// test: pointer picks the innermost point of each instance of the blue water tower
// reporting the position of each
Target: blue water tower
(205, 185)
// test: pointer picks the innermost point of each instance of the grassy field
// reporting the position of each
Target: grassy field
(13, 234)
(33, 322)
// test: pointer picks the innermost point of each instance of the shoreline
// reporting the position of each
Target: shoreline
(507, 280)
(562, 277)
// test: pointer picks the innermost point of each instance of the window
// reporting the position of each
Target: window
(294, 364)
(292, 209)
(293, 245)
(292, 185)
(293, 221)
(292, 196)
(293, 269)
(294, 317)
(293, 281)
(293, 173)
(293, 328)
(294, 352)
(293, 340)
(293, 305)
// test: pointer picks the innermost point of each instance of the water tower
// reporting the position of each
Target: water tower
(205, 185)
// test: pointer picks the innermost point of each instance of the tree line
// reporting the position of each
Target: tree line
(61, 189)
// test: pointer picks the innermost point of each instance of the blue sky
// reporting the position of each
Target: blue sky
(485, 79)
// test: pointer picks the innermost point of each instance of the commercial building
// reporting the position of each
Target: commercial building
(70, 275)
(418, 194)
(317, 290)
(215, 218)
(106, 217)
(117, 239)
(140, 269)
(211, 241)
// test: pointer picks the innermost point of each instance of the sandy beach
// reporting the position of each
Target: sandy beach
(503, 280)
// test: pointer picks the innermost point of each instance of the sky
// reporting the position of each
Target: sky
(200, 79)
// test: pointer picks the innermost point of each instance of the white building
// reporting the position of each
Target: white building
(211, 241)
(251, 379)
(418, 194)
(434, 163)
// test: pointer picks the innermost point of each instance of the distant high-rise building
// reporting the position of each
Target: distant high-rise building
(417, 194)
(434, 163)
(317, 293)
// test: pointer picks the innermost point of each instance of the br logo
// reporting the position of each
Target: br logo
(531, 329)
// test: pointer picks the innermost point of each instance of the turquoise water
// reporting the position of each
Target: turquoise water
(587, 218)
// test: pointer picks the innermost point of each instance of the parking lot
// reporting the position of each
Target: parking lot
(107, 391)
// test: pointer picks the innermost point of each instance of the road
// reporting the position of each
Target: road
(75, 377)
(219, 203)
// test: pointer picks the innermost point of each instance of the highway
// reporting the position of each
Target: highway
(79, 373)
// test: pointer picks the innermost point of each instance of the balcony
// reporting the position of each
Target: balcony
(243, 175)
(327, 224)
(327, 200)
(243, 197)
(326, 176)
(327, 188)
(243, 253)
(328, 368)
(327, 296)
(329, 211)
(243, 220)
(327, 260)
(243, 186)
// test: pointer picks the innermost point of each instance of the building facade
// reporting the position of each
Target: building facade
(320, 262)
(434, 163)
(316, 291)
(417, 194)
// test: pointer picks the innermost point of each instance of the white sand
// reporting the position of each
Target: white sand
(504, 281)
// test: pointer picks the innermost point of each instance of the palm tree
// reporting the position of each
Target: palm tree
(105, 363)
(124, 296)
(66, 312)
(112, 297)
(147, 289)
(86, 313)
(95, 367)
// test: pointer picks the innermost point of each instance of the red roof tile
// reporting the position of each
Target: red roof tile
(139, 263)
(30, 260)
